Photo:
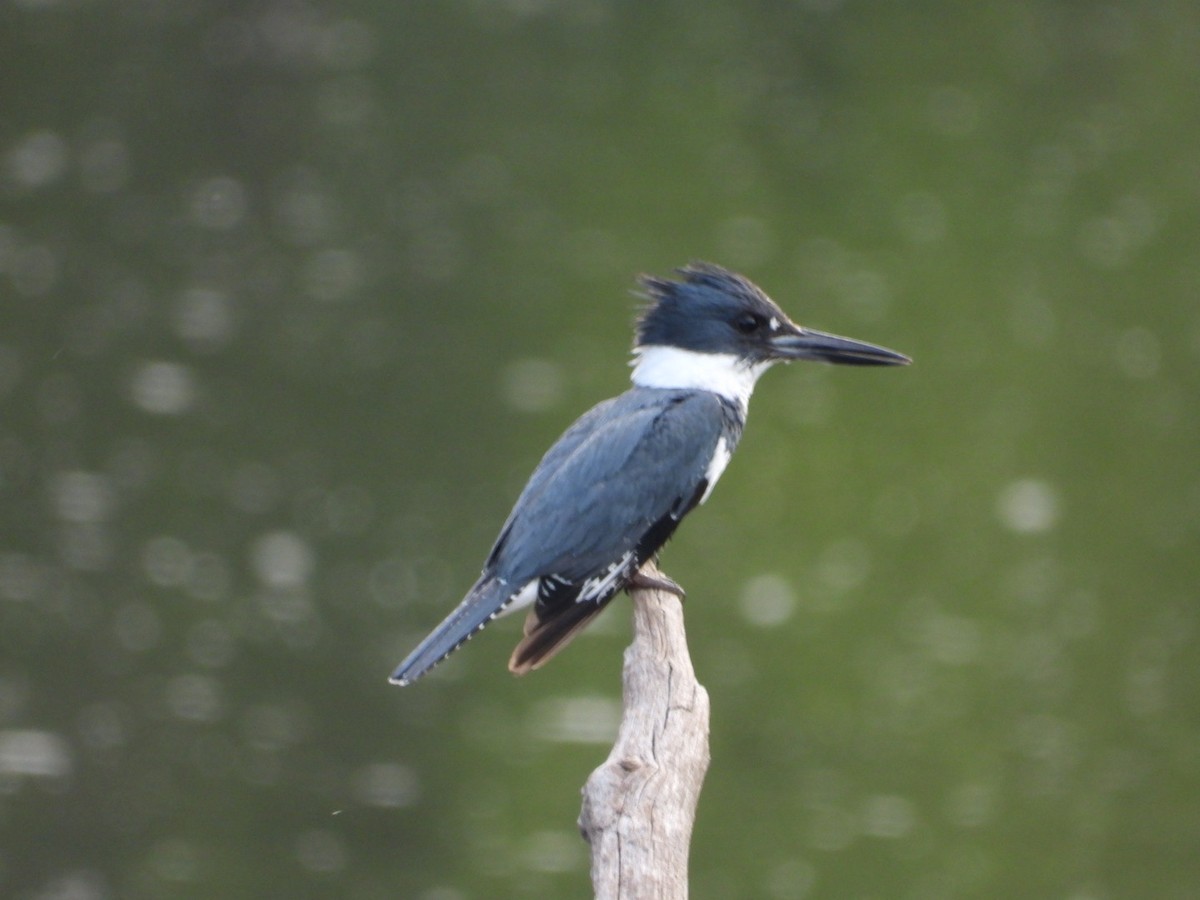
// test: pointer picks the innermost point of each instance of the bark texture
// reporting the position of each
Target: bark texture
(638, 807)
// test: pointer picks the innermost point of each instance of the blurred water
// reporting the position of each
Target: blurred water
(294, 294)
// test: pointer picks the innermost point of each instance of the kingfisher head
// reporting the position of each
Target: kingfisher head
(711, 310)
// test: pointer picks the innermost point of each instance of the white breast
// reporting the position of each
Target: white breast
(716, 465)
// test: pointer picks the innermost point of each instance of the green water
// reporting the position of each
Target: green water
(294, 295)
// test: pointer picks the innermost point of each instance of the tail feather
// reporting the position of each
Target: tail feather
(485, 601)
(545, 637)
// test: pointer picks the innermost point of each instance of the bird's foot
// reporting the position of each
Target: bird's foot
(641, 581)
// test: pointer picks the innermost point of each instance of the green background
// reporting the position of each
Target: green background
(294, 295)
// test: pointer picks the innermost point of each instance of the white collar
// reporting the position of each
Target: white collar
(658, 366)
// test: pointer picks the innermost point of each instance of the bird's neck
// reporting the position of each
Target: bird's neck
(657, 366)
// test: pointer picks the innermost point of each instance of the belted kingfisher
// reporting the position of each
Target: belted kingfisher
(608, 495)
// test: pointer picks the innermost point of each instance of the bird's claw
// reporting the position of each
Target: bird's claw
(656, 582)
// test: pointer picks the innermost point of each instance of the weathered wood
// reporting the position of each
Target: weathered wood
(638, 807)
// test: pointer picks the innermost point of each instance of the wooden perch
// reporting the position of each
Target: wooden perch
(638, 807)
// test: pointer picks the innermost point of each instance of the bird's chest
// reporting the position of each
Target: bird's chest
(733, 420)
(720, 459)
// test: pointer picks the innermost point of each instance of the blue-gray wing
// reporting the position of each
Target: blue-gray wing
(628, 469)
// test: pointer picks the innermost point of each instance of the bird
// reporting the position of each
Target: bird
(611, 491)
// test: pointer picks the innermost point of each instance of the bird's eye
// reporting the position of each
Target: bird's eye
(748, 323)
